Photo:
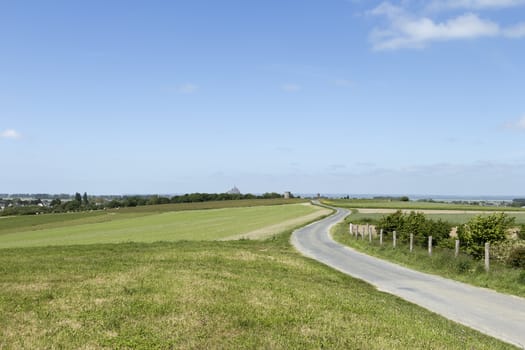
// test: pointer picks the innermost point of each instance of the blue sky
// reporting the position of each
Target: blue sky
(330, 96)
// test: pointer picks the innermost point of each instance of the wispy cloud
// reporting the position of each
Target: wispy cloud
(474, 4)
(517, 31)
(291, 87)
(10, 134)
(187, 88)
(408, 30)
(517, 125)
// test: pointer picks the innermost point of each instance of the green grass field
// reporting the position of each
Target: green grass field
(190, 292)
(141, 226)
(220, 295)
(37, 222)
(385, 204)
(455, 219)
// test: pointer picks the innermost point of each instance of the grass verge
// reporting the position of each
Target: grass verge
(442, 262)
(234, 294)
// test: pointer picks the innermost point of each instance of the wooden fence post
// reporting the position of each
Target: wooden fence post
(411, 242)
(381, 237)
(351, 232)
(429, 245)
(356, 230)
(456, 250)
(487, 256)
(394, 239)
(369, 235)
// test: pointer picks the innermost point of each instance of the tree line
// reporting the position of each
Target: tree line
(84, 202)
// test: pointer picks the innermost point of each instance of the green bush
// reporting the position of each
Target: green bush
(482, 229)
(391, 223)
(521, 232)
(517, 257)
(417, 224)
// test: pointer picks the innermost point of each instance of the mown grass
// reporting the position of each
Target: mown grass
(166, 226)
(442, 262)
(161, 208)
(44, 221)
(385, 204)
(179, 295)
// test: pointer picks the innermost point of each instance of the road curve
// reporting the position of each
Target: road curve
(498, 315)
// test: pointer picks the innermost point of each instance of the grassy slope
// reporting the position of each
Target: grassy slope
(237, 294)
(38, 222)
(167, 226)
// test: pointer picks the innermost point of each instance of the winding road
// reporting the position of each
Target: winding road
(498, 315)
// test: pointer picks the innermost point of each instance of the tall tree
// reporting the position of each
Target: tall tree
(85, 200)
(78, 197)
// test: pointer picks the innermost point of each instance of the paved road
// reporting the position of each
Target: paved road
(501, 316)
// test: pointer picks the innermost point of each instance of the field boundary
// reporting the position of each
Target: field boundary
(271, 230)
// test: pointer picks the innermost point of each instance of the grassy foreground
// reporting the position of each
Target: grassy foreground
(125, 226)
(235, 294)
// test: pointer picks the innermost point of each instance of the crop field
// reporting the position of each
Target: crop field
(37, 222)
(187, 294)
(458, 219)
(455, 219)
(127, 226)
(385, 204)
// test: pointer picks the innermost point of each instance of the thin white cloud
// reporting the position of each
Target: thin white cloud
(474, 4)
(291, 87)
(187, 88)
(517, 31)
(406, 30)
(10, 134)
(517, 125)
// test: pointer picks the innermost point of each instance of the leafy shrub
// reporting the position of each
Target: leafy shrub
(448, 243)
(482, 229)
(501, 251)
(521, 232)
(417, 224)
(517, 257)
(391, 223)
